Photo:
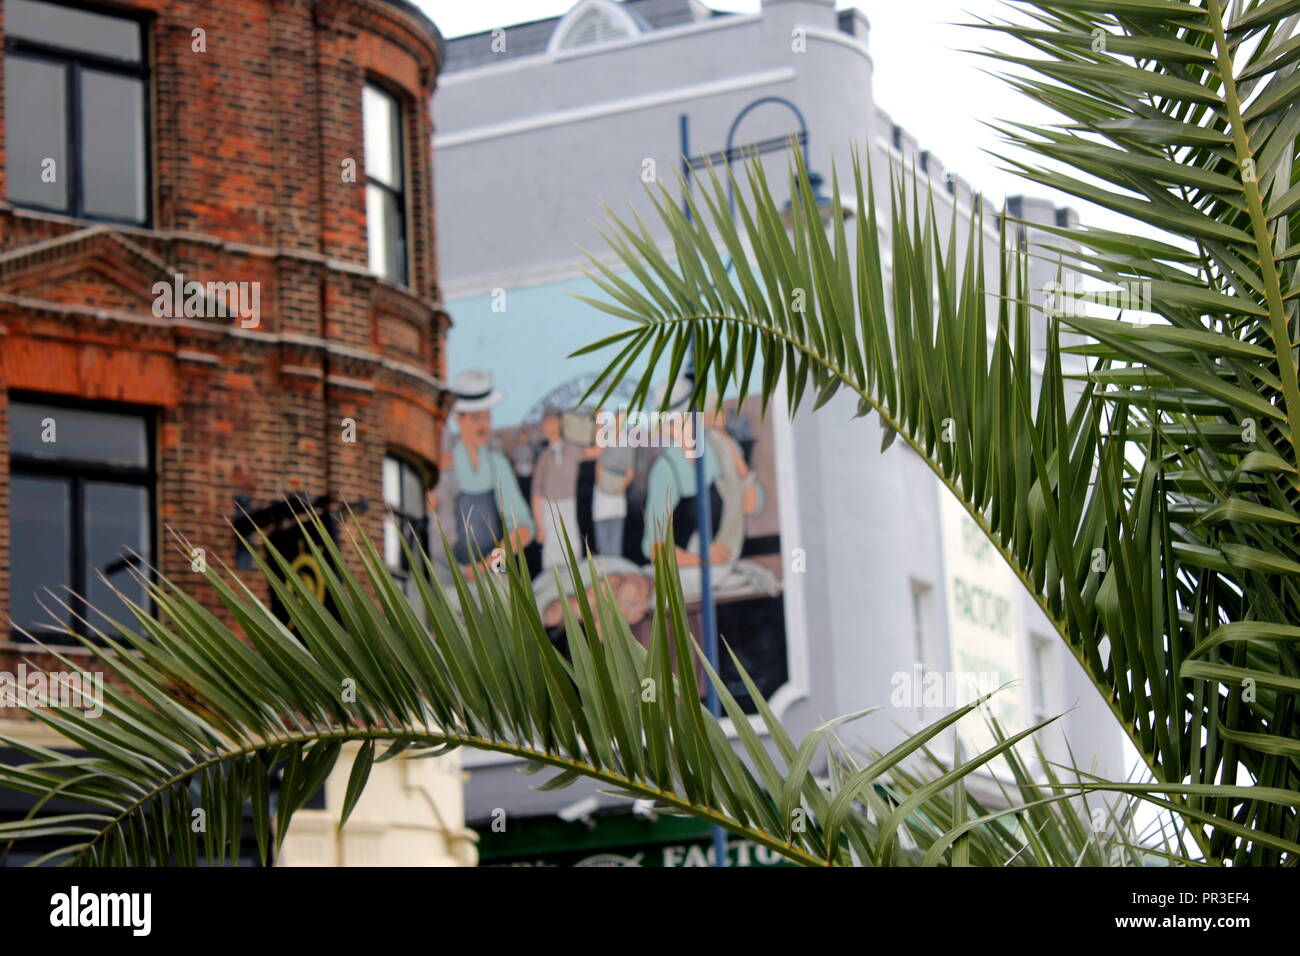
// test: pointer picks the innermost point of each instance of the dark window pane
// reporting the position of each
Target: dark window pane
(40, 542)
(404, 495)
(79, 435)
(117, 524)
(36, 128)
(112, 146)
(387, 234)
(73, 29)
(412, 491)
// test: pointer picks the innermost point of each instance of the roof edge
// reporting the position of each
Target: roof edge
(422, 18)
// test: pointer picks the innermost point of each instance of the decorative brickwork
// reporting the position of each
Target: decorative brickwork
(250, 143)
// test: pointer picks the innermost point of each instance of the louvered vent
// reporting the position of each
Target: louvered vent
(594, 26)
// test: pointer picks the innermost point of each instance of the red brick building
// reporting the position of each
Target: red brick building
(278, 154)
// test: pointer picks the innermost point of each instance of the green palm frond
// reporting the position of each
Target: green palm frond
(200, 716)
(1153, 515)
(1040, 815)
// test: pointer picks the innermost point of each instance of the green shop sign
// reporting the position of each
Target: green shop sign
(615, 840)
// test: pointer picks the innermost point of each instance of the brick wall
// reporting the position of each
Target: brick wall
(248, 144)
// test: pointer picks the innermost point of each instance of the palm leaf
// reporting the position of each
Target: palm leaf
(1157, 465)
(182, 731)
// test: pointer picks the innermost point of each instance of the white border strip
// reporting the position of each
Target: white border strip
(841, 38)
(541, 58)
(611, 107)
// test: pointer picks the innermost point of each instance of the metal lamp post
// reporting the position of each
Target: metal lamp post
(703, 506)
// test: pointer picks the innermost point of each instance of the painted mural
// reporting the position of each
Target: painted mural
(617, 481)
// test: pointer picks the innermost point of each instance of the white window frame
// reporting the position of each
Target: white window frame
(398, 191)
(1042, 678)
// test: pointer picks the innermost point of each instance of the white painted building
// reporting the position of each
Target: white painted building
(539, 125)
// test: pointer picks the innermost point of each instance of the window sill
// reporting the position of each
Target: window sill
(47, 215)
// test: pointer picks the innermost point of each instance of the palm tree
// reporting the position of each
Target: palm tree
(1187, 115)
(1177, 466)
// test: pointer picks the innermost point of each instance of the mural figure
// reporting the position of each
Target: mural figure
(670, 494)
(616, 485)
(614, 473)
(740, 493)
(555, 491)
(488, 503)
(523, 457)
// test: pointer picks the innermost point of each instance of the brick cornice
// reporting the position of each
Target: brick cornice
(82, 237)
(415, 21)
(92, 240)
(237, 339)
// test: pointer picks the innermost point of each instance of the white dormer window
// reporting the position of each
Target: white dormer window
(594, 26)
(593, 22)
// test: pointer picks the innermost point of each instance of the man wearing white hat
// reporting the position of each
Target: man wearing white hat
(489, 505)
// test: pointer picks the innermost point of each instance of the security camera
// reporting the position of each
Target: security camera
(579, 810)
(644, 810)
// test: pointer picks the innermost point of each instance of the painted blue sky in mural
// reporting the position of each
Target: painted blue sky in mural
(527, 346)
